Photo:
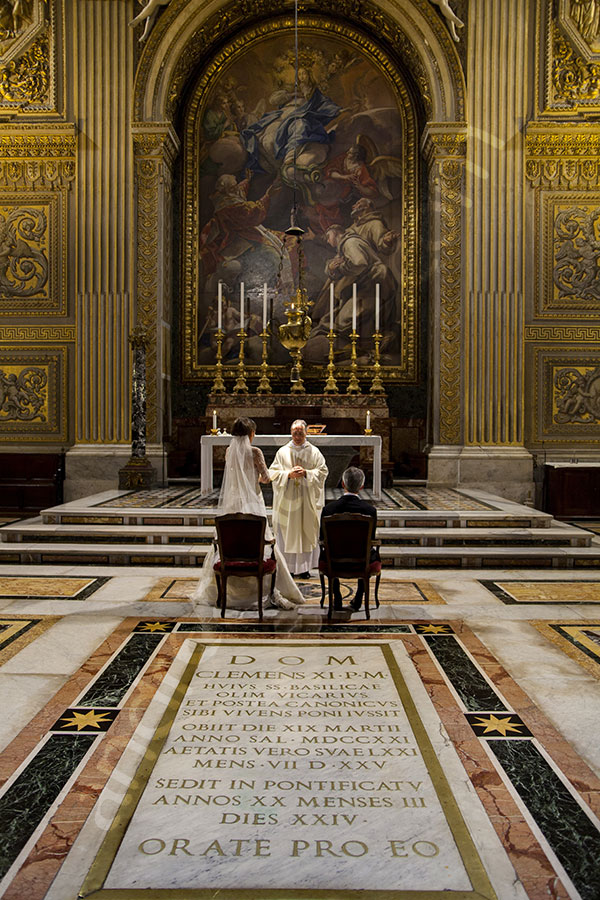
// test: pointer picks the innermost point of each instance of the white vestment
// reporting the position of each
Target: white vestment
(241, 493)
(297, 504)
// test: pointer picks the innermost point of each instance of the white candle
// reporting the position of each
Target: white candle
(241, 306)
(376, 307)
(220, 308)
(331, 296)
(354, 307)
(368, 419)
(265, 306)
(214, 419)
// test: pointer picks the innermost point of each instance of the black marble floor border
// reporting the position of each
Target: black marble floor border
(27, 799)
(566, 823)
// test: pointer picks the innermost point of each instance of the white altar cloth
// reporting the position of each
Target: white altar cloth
(209, 441)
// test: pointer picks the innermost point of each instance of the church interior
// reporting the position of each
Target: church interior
(380, 218)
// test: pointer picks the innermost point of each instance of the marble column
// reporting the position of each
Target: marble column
(500, 80)
(99, 55)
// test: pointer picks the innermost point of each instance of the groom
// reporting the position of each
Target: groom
(298, 475)
(353, 480)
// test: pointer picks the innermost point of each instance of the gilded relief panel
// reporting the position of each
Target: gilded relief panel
(567, 394)
(32, 271)
(568, 264)
(33, 397)
(344, 154)
(572, 42)
(28, 55)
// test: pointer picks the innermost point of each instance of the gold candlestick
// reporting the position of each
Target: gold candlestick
(353, 385)
(240, 387)
(218, 386)
(377, 384)
(264, 385)
(331, 384)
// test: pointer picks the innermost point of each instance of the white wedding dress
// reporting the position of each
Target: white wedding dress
(241, 493)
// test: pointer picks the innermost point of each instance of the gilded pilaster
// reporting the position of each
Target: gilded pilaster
(155, 147)
(494, 320)
(445, 149)
(100, 77)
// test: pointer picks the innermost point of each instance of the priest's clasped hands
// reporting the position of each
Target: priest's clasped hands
(297, 472)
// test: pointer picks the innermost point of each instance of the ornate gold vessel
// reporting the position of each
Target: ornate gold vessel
(294, 334)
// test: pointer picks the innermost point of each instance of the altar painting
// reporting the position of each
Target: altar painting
(341, 149)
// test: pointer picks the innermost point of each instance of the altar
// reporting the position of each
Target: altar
(209, 441)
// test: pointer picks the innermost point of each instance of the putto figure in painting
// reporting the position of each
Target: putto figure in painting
(333, 146)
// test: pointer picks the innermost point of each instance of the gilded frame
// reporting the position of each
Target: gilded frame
(407, 371)
(53, 300)
(54, 359)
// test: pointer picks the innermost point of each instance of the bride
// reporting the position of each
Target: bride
(245, 470)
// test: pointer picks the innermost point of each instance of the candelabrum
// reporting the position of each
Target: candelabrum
(331, 384)
(240, 387)
(294, 334)
(218, 385)
(264, 385)
(377, 384)
(353, 385)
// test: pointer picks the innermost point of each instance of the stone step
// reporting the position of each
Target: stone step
(428, 519)
(396, 556)
(35, 531)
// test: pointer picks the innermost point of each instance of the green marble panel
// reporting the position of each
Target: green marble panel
(27, 800)
(113, 683)
(475, 692)
(572, 835)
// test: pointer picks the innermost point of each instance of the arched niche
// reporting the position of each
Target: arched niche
(192, 45)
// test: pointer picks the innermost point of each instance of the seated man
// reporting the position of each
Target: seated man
(353, 480)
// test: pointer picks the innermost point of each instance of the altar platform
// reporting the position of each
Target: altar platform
(419, 526)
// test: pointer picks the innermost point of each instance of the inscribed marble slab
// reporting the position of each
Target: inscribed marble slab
(314, 755)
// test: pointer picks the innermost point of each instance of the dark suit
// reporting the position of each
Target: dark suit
(351, 503)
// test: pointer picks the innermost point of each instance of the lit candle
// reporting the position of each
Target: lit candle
(354, 307)
(377, 307)
(214, 420)
(265, 306)
(331, 296)
(220, 308)
(241, 306)
(368, 419)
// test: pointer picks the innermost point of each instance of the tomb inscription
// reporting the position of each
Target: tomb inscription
(299, 767)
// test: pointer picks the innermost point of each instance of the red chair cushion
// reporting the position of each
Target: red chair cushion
(242, 567)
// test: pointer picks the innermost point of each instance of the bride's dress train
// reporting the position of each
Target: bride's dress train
(240, 492)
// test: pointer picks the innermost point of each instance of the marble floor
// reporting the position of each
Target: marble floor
(447, 747)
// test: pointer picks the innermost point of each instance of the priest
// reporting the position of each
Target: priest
(298, 476)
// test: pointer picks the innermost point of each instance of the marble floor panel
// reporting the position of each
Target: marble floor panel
(499, 699)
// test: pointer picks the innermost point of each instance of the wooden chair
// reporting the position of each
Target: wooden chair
(346, 553)
(241, 542)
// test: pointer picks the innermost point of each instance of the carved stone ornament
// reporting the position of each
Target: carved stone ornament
(563, 159)
(21, 22)
(579, 20)
(23, 252)
(23, 395)
(451, 18)
(26, 80)
(36, 160)
(577, 253)
(229, 19)
(577, 396)
(575, 80)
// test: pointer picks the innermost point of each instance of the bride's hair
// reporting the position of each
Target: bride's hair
(243, 426)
